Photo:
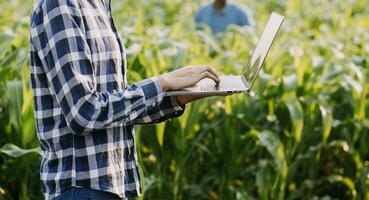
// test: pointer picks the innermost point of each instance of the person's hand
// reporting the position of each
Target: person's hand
(185, 99)
(187, 77)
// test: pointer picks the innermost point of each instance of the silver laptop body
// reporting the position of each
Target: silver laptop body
(236, 83)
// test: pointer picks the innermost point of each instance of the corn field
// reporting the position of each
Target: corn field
(303, 133)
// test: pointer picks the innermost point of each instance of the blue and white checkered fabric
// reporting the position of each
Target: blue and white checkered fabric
(84, 109)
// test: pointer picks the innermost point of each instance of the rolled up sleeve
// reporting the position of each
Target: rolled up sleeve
(167, 109)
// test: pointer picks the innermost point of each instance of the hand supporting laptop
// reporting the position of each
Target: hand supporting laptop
(187, 77)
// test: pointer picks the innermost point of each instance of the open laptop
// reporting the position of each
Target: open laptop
(244, 82)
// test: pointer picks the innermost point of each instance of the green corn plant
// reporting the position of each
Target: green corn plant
(18, 144)
(24, 143)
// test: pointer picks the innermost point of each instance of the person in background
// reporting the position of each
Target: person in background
(219, 14)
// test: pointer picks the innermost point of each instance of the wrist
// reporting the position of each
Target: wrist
(164, 83)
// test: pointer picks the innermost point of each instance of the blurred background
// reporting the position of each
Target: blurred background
(302, 134)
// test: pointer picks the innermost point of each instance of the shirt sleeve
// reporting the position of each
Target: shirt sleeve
(243, 18)
(167, 109)
(198, 17)
(66, 58)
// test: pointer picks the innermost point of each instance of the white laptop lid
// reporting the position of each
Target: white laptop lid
(262, 48)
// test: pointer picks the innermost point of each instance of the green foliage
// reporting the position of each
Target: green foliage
(301, 134)
(14, 151)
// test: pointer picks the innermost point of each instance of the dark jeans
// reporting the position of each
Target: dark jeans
(76, 193)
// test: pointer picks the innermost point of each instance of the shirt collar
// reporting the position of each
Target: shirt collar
(222, 11)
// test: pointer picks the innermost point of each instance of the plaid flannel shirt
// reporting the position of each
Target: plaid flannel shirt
(84, 109)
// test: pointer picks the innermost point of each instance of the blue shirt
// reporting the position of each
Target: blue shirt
(84, 108)
(219, 20)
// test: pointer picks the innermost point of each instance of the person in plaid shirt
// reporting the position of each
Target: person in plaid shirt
(84, 109)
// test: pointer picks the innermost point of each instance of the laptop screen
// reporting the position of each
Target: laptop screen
(260, 52)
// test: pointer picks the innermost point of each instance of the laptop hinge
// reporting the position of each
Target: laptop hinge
(245, 82)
